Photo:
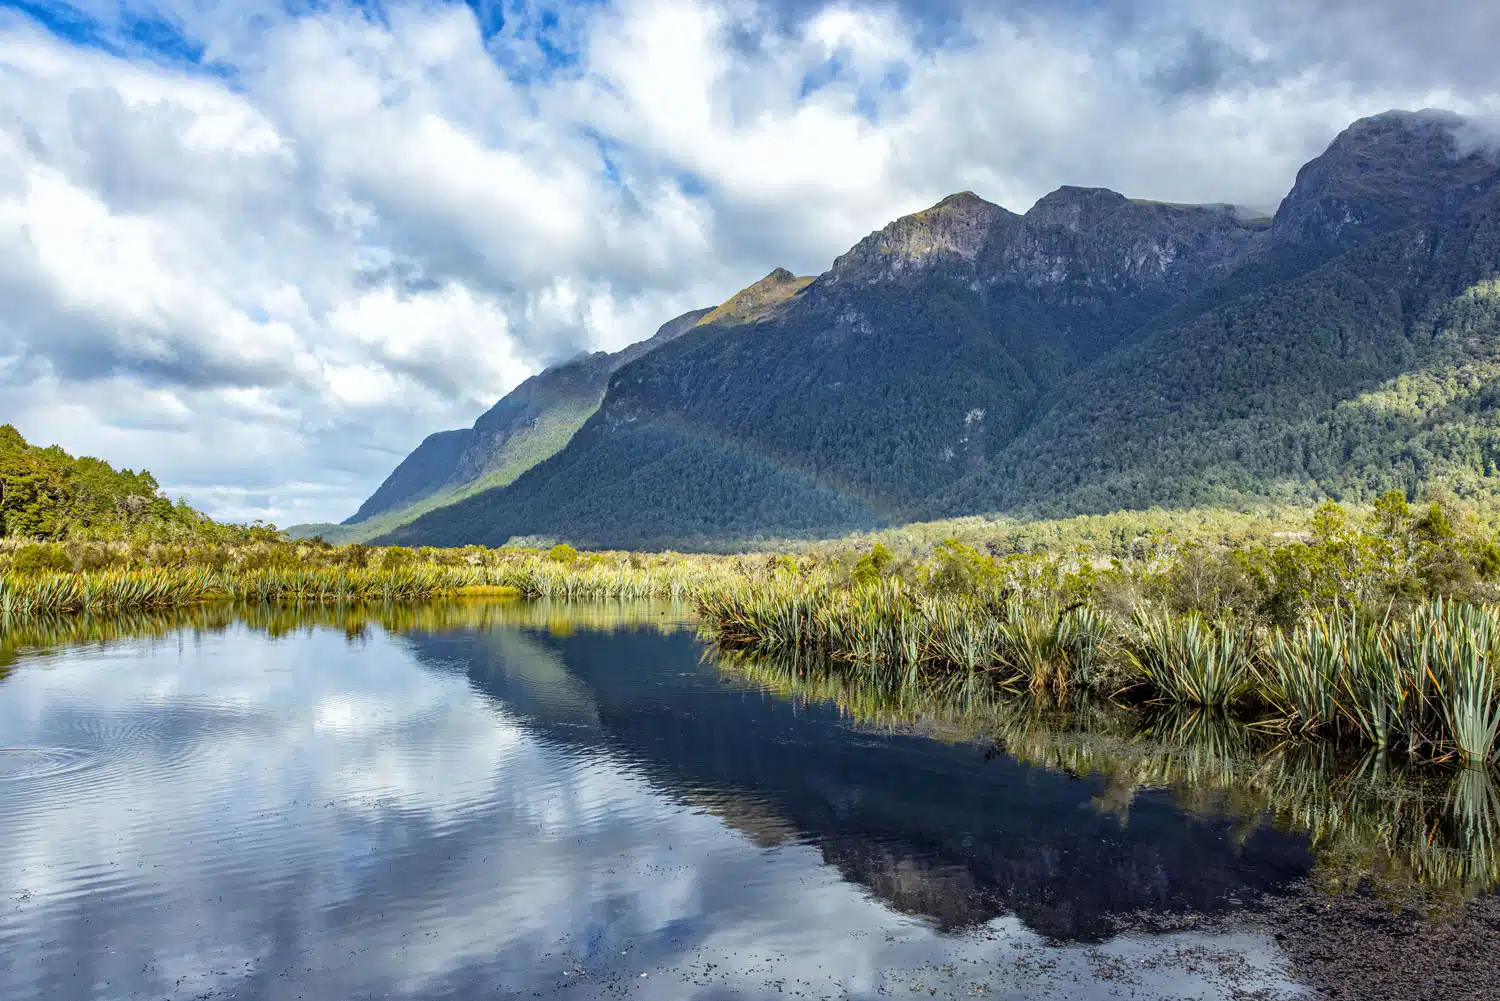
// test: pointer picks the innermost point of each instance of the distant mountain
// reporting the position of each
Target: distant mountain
(1095, 353)
(533, 421)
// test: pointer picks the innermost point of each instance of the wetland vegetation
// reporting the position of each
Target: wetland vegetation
(1374, 627)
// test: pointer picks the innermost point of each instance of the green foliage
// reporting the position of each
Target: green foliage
(1193, 661)
(40, 558)
(48, 495)
(396, 558)
(959, 570)
(873, 565)
(562, 553)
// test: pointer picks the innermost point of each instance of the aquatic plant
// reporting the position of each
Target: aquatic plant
(1299, 670)
(1457, 647)
(23, 595)
(1187, 658)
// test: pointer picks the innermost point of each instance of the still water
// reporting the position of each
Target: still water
(518, 804)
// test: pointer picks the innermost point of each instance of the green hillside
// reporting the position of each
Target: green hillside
(47, 494)
(549, 432)
(532, 422)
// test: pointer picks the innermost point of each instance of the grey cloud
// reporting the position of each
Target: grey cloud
(80, 347)
(1478, 134)
(1200, 65)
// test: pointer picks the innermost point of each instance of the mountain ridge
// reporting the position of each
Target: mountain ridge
(526, 425)
(954, 362)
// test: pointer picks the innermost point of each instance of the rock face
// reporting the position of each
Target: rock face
(954, 230)
(1096, 238)
(1097, 352)
(1380, 174)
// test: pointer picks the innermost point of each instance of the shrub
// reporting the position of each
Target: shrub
(870, 567)
(40, 558)
(961, 570)
(1187, 658)
(396, 557)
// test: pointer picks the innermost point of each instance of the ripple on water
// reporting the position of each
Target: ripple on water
(22, 764)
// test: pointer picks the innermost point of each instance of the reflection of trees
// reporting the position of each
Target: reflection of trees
(44, 633)
(1419, 827)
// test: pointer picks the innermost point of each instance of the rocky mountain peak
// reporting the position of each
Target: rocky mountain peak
(1076, 208)
(1111, 243)
(1382, 173)
(955, 229)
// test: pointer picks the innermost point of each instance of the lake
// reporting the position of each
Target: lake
(494, 800)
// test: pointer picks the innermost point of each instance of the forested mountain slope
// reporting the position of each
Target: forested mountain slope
(527, 425)
(1093, 354)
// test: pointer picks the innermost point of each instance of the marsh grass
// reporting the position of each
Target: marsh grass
(889, 628)
(528, 576)
(1419, 677)
(1426, 682)
(23, 595)
(1191, 660)
(1435, 830)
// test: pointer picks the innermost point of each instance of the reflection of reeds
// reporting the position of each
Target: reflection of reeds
(1365, 815)
(50, 632)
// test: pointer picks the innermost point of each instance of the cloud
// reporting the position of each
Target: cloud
(304, 239)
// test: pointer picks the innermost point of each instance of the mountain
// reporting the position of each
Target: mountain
(530, 423)
(1095, 353)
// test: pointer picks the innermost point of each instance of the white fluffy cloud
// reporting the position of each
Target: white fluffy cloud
(264, 254)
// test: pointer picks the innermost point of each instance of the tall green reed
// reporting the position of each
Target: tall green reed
(1189, 659)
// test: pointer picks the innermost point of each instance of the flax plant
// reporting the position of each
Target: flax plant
(1188, 659)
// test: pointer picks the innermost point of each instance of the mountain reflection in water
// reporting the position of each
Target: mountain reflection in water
(491, 799)
(943, 830)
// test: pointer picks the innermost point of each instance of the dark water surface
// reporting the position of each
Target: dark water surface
(514, 809)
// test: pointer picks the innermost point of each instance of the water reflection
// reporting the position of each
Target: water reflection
(936, 829)
(1367, 814)
(494, 800)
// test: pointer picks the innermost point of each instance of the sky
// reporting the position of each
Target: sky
(263, 249)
